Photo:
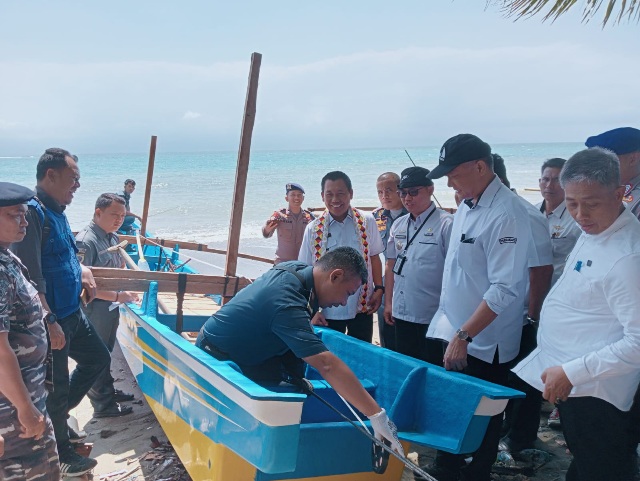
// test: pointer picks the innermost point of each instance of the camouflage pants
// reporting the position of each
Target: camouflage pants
(37, 464)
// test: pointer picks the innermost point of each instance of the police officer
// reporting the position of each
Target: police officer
(266, 329)
(416, 250)
(290, 223)
(93, 244)
(479, 319)
(390, 210)
(49, 252)
(30, 448)
(625, 143)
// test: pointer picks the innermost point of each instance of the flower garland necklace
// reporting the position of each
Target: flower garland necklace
(320, 246)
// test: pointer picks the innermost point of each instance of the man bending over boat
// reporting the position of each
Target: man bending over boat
(266, 328)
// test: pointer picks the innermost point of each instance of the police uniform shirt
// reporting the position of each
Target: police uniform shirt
(385, 219)
(564, 233)
(92, 243)
(290, 232)
(590, 321)
(343, 234)
(487, 260)
(416, 290)
(632, 196)
(21, 316)
(267, 318)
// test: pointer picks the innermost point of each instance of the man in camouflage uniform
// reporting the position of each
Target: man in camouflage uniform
(29, 445)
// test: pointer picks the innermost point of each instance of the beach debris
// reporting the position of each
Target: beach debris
(112, 474)
(155, 443)
(107, 433)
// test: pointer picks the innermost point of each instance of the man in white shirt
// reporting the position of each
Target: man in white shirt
(479, 318)
(342, 225)
(416, 251)
(588, 355)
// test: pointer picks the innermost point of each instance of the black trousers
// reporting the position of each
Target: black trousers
(522, 416)
(360, 327)
(597, 433)
(410, 338)
(480, 467)
(91, 355)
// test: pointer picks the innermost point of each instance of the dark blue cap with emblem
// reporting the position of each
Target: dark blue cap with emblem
(414, 177)
(458, 150)
(292, 186)
(623, 140)
(14, 194)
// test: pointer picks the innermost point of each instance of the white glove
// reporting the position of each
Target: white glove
(384, 428)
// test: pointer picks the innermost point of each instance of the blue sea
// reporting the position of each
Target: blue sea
(192, 192)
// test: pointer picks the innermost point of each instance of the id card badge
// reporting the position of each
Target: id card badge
(399, 264)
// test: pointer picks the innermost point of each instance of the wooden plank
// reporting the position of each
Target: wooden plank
(147, 189)
(243, 166)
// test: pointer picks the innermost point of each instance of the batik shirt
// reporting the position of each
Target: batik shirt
(21, 315)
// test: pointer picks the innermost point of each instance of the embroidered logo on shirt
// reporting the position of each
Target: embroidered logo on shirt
(508, 240)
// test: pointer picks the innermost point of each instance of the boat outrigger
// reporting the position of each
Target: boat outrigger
(225, 427)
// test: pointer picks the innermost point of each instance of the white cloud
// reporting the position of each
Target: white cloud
(190, 115)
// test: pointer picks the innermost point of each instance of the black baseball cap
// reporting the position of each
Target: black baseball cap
(414, 177)
(458, 150)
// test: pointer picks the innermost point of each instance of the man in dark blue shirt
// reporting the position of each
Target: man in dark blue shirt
(266, 328)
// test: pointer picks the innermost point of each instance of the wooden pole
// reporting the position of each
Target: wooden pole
(147, 189)
(243, 166)
(133, 266)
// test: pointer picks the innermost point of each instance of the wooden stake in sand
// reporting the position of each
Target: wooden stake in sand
(147, 189)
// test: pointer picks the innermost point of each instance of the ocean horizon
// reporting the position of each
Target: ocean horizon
(191, 192)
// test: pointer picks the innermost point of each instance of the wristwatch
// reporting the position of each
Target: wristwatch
(378, 288)
(51, 318)
(463, 335)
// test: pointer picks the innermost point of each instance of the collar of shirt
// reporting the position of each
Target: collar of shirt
(557, 212)
(486, 197)
(5, 255)
(349, 216)
(623, 219)
(418, 220)
(97, 229)
(634, 182)
(307, 274)
(48, 201)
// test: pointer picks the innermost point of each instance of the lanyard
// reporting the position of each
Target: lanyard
(419, 229)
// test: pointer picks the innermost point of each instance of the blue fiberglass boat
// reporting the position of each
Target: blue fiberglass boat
(225, 427)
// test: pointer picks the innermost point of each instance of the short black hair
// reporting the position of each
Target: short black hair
(105, 200)
(346, 258)
(555, 163)
(53, 158)
(130, 181)
(336, 175)
(500, 169)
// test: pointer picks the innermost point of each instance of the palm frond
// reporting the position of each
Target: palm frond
(615, 11)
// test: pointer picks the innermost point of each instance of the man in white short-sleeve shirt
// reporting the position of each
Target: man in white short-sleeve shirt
(342, 225)
(479, 318)
(588, 355)
(416, 251)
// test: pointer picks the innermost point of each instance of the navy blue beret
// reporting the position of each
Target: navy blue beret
(621, 141)
(14, 194)
(292, 186)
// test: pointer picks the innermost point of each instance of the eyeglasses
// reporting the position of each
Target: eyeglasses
(549, 180)
(411, 192)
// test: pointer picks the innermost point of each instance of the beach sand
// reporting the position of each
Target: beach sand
(124, 446)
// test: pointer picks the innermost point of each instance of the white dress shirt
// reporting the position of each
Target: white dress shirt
(487, 260)
(590, 321)
(564, 233)
(343, 234)
(416, 290)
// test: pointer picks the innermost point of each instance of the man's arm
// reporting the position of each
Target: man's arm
(539, 285)
(376, 273)
(389, 281)
(29, 250)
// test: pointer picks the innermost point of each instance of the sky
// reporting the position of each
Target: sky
(102, 77)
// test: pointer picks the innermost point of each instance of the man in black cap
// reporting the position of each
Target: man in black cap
(290, 222)
(416, 250)
(625, 143)
(50, 254)
(479, 320)
(28, 449)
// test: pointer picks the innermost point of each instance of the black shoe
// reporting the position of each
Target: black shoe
(72, 464)
(438, 472)
(511, 446)
(75, 438)
(121, 396)
(113, 411)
